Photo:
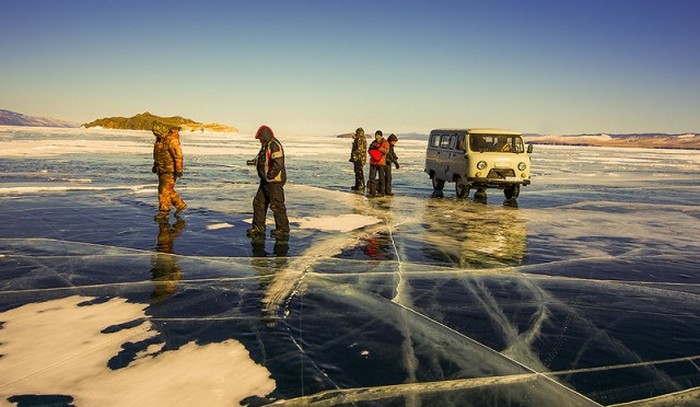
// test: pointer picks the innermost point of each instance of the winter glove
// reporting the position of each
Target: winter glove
(178, 175)
(154, 169)
(351, 160)
(396, 164)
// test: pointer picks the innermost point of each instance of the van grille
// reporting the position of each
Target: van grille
(501, 173)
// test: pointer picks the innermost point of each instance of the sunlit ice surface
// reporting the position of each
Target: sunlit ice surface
(585, 291)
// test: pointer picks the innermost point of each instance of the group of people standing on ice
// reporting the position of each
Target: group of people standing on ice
(381, 158)
(168, 164)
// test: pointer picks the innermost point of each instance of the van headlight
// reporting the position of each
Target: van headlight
(522, 166)
(481, 165)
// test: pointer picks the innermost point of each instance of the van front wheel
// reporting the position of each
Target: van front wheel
(512, 191)
(461, 189)
(438, 183)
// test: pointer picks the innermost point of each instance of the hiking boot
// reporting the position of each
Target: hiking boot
(162, 215)
(255, 231)
(279, 233)
(179, 210)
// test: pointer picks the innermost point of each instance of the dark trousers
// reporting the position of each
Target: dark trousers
(270, 194)
(359, 168)
(374, 172)
(387, 179)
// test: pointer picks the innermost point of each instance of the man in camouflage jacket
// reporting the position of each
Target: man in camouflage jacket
(167, 163)
(358, 156)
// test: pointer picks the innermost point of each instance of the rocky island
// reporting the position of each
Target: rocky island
(145, 121)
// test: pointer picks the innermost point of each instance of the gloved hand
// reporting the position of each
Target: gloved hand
(154, 169)
(254, 161)
(396, 164)
(178, 175)
(351, 160)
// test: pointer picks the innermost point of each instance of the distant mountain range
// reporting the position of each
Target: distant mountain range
(145, 121)
(690, 141)
(8, 118)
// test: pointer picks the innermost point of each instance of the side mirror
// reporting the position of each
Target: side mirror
(529, 148)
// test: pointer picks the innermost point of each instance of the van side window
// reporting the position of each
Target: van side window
(435, 140)
(453, 141)
(460, 143)
(445, 141)
(519, 147)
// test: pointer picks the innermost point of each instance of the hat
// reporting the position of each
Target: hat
(264, 133)
(159, 129)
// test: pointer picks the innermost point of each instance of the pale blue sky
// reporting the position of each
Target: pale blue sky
(327, 67)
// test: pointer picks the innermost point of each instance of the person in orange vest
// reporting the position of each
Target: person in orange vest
(377, 160)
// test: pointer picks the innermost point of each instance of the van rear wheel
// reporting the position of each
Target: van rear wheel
(438, 183)
(512, 192)
(461, 189)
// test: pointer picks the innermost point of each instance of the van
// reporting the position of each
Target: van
(479, 159)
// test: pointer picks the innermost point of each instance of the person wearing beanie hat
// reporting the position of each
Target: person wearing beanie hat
(167, 163)
(391, 159)
(377, 152)
(273, 176)
(358, 156)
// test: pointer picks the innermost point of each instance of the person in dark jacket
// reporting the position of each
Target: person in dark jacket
(358, 156)
(167, 163)
(391, 159)
(377, 162)
(273, 176)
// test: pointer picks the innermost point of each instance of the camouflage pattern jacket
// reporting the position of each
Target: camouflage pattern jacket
(359, 149)
(167, 154)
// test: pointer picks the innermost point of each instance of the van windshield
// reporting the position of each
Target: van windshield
(496, 143)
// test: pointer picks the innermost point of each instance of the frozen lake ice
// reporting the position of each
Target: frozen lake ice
(587, 292)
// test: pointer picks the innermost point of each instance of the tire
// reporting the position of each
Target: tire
(512, 191)
(438, 183)
(461, 189)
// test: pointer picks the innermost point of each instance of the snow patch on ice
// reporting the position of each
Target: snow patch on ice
(217, 226)
(341, 223)
(63, 347)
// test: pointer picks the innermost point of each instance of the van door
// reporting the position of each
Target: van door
(460, 161)
(445, 156)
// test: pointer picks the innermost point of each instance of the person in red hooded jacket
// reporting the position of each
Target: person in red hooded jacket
(377, 160)
(273, 176)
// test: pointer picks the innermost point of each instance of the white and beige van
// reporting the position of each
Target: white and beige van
(479, 159)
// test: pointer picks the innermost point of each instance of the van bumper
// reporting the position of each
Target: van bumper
(496, 182)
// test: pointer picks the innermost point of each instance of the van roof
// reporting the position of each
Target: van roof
(478, 130)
